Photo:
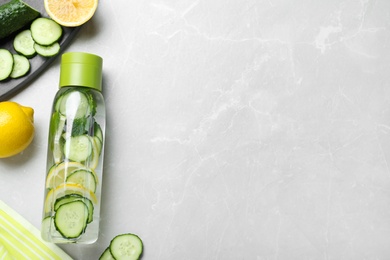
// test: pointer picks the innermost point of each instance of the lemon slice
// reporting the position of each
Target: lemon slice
(59, 172)
(66, 189)
(71, 13)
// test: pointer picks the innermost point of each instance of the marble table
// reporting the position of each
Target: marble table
(252, 129)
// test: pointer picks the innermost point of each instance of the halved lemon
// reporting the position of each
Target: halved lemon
(71, 13)
(66, 189)
(59, 172)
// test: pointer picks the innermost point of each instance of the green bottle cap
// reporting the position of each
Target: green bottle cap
(81, 69)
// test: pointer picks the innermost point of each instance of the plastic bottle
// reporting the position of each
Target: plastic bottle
(73, 180)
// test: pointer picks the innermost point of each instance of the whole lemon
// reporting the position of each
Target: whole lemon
(16, 128)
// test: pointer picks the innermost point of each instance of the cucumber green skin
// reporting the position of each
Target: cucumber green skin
(15, 15)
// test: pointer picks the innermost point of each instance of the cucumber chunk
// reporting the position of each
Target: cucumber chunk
(21, 66)
(78, 148)
(15, 15)
(126, 246)
(45, 31)
(24, 44)
(71, 219)
(47, 51)
(6, 64)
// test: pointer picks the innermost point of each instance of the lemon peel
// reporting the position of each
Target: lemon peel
(16, 128)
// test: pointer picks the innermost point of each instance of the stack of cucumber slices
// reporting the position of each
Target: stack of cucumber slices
(75, 144)
(41, 38)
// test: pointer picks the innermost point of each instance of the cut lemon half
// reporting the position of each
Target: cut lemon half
(71, 13)
(67, 189)
(59, 172)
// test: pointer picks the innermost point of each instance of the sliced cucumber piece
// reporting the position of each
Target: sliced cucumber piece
(58, 103)
(48, 229)
(106, 255)
(24, 44)
(57, 124)
(85, 177)
(47, 51)
(78, 148)
(45, 228)
(21, 66)
(6, 64)
(75, 197)
(45, 31)
(74, 104)
(126, 246)
(71, 219)
(93, 160)
(99, 144)
(98, 131)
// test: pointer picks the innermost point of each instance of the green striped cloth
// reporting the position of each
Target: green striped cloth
(20, 240)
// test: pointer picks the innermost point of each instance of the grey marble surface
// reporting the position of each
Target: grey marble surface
(236, 129)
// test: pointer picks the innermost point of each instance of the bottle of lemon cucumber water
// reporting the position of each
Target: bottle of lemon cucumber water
(73, 180)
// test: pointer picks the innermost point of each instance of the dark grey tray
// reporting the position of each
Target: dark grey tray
(38, 64)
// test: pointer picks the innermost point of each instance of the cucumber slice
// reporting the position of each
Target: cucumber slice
(75, 197)
(45, 31)
(71, 219)
(99, 144)
(46, 226)
(24, 44)
(58, 103)
(74, 104)
(93, 160)
(78, 148)
(126, 246)
(6, 64)
(15, 15)
(106, 255)
(21, 66)
(47, 51)
(85, 177)
(56, 127)
(98, 131)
